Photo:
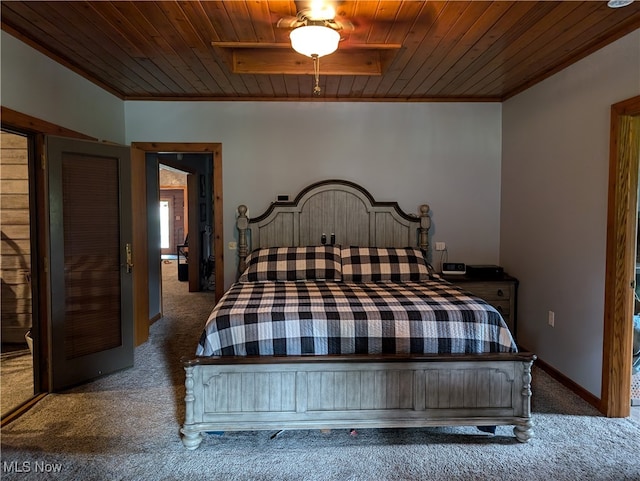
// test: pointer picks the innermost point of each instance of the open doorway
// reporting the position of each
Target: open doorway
(16, 354)
(174, 212)
(181, 227)
(38, 132)
(145, 179)
(624, 161)
(173, 231)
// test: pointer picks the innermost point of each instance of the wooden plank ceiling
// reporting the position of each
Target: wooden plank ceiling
(397, 50)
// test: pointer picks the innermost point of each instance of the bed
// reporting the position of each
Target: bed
(338, 321)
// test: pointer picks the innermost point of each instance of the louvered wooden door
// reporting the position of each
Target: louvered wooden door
(91, 280)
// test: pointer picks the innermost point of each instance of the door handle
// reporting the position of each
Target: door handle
(129, 258)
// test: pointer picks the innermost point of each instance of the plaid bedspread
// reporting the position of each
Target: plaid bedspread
(327, 317)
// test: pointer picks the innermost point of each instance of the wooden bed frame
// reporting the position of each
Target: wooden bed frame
(325, 392)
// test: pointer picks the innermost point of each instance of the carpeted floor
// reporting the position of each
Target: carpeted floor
(16, 378)
(126, 426)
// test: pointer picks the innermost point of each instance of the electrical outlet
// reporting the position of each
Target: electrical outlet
(441, 246)
(233, 246)
(552, 319)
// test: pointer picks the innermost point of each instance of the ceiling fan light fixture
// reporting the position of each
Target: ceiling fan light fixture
(320, 10)
(314, 40)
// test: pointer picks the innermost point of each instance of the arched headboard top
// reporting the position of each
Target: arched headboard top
(331, 185)
(328, 212)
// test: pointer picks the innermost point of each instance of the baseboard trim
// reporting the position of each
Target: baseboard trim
(568, 383)
(155, 318)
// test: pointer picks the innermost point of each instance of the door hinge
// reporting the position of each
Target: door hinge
(129, 258)
(43, 161)
(45, 264)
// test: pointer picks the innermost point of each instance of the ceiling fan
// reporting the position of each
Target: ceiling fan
(315, 32)
(318, 12)
(315, 28)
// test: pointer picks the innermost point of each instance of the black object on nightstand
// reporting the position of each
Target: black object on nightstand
(500, 291)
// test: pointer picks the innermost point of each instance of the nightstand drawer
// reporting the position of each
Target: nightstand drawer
(503, 307)
(495, 291)
(501, 293)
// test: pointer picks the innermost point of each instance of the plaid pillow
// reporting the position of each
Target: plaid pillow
(293, 264)
(372, 264)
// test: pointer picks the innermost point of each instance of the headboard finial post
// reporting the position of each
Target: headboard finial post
(425, 224)
(242, 223)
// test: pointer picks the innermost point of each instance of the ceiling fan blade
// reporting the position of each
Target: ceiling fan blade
(289, 22)
(341, 24)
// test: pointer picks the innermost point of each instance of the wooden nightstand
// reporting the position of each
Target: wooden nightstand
(501, 292)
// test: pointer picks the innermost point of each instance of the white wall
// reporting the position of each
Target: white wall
(33, 84)
(444, 154)
(555, 154)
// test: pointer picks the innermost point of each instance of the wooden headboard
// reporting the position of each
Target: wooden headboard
(332, 212)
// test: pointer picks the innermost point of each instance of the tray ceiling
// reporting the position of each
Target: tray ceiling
(398, 50)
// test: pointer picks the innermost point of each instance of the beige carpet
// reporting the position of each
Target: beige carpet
(16, 379)
(126, 427)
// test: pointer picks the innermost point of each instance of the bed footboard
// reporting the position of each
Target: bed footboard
(342, 392)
